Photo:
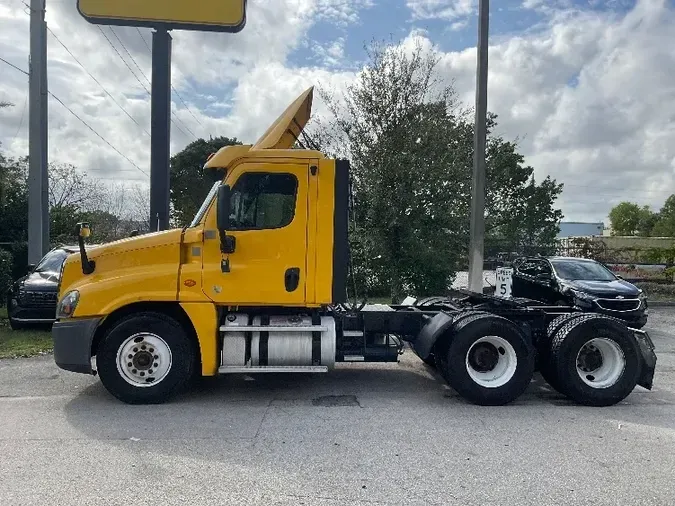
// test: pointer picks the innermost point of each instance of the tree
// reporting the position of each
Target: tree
(630, 219)
(411, 150)
(664, 225)
(189, 183)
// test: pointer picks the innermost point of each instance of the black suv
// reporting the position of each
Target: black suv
(585, 284)
(32, 299)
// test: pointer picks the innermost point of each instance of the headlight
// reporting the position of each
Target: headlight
(582, 296)
(67, 305)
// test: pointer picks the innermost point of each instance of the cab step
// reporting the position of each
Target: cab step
(229, 369)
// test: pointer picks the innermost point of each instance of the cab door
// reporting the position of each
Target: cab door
(268, 220)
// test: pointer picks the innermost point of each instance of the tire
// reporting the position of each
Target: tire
(168, 346)
(430, 360)
(15, 325)
(505, 374)
(612, 370)
(545, 368)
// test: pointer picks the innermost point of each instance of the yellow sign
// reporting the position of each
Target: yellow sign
(210, 15)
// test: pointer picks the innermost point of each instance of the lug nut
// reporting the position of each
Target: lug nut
(135, 350)
(134, 371)
(143, 347)
(129, 364)
(155, 364)
(156, 357)
(142, 373)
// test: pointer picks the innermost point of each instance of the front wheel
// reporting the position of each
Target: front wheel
(489, 361)
(145, 358)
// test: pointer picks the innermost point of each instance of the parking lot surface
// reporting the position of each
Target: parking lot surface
(361, 434)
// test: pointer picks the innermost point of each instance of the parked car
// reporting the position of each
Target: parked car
(583, 283)
(31, 300)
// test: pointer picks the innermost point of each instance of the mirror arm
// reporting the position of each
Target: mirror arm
(88, 266)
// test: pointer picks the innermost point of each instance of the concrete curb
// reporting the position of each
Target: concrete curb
(661, 303)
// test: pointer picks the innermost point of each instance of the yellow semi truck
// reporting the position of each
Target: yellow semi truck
(256, 283)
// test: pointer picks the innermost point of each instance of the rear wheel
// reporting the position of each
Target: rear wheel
(545, 365)
(145, 358)
(489, 361)
(595, 360)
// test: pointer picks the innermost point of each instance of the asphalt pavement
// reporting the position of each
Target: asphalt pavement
(362, 434)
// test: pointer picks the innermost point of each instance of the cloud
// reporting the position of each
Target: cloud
(441, 9)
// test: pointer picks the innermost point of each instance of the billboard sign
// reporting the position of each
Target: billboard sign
(202, 15)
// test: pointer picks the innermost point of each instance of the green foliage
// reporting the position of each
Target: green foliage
(411, 153)
(665, 225)
(5, 274)
(189, 183)
(629, 219)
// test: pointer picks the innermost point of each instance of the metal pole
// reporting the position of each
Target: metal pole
(477, 226)
(44, 136)
(160, 125)
(37, 66)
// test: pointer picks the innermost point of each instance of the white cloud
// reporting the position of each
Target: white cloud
(441, 9)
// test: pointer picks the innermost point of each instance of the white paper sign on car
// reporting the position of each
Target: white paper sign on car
(504, 277)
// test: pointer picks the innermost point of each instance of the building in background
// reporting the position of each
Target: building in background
(580, 229)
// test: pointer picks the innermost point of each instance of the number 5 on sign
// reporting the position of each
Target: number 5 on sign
(504, 282)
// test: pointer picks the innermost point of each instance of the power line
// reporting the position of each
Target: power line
(148, 81)
(172, 87)
(23, 112)
(121, 58)
(129, 55)
(99, 135)
(83, 122)
(97, 82)
(13, 66)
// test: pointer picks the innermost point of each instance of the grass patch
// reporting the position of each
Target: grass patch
(22, 343)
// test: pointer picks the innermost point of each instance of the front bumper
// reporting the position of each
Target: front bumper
(72, 343)
(648, 362)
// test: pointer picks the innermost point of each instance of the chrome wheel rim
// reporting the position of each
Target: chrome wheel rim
(600, 363)
(491, 361)
(144, 359)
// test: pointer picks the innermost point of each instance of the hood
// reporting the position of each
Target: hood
(113, 256)
(151, 240)
(283, 133)
(39, 281)
(606, 289)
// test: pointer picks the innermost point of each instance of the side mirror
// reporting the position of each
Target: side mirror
(84, 231)
(223, 208)
(619, 276)
(31, 267)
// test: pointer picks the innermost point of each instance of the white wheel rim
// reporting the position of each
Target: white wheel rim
(600, 363)
(491, 361)
(144, 359)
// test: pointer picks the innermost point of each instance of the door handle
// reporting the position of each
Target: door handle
(292, 278)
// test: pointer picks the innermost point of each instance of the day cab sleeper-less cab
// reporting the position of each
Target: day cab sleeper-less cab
(257, 283)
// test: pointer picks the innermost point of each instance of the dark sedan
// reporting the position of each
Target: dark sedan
(32, 299)
(580, 282)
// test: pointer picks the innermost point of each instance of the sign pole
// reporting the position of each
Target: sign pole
(160, 129)
(477, 224)
(37, 131)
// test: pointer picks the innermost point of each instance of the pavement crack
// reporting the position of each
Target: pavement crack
(262, 421)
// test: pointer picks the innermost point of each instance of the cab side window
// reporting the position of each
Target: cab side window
(263, 201)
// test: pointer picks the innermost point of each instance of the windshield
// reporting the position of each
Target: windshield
(588, 271)
(200, 214)
(52, 261)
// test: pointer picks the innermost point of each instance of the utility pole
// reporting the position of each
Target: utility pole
(160, 129)
(477, 226)
(37, 133)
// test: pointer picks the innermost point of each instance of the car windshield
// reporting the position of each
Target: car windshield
(588, 271)
(200, 214)
(52, 261)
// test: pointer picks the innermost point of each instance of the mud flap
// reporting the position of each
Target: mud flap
(647, 359)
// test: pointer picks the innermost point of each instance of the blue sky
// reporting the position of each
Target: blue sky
(587, 86)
